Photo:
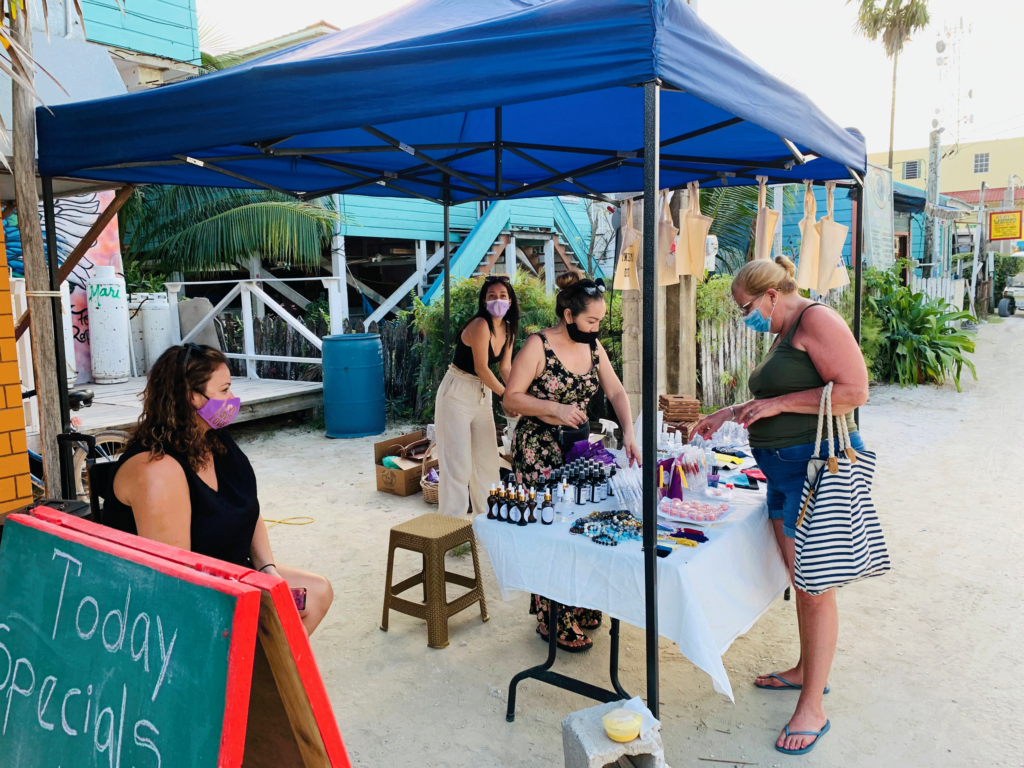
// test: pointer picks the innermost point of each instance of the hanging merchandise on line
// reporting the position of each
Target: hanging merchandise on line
(810, 239)
(767, 220)
(667, 232)
(831, 269)
(629, 253)
(693, 235)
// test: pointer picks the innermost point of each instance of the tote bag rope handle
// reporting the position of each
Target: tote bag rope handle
(826, 406)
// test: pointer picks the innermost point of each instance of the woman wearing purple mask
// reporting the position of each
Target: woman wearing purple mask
(183, 481)
(463, 414)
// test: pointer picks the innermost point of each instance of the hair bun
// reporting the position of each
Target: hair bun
(786, 263)
(567, 280)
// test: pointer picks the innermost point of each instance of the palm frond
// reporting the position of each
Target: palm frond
(283, 230)
(894, 21)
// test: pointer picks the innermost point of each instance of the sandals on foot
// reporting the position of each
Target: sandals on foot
(803, 751)
(588, 619)
(786, 685)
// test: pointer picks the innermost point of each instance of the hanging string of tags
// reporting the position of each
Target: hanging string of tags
(820, 266)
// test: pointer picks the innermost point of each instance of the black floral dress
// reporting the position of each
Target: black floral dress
(535, 448)
(535, 443)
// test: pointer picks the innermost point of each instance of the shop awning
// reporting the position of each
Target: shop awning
(376, 109)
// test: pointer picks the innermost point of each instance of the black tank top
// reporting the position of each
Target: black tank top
(223, 521)
(463, 357)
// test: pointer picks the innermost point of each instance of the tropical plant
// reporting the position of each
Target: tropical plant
(894, 21)
(200, 229)
(917, 342)
(536, 311)
(734, 210)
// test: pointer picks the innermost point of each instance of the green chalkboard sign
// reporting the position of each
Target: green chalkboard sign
(112, 658)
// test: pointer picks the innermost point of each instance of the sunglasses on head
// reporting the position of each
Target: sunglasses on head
(593, 290)
(496, 279)
(193, 347)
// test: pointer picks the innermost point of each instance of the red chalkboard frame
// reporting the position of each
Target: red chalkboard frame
(280, 596)
(244, 622)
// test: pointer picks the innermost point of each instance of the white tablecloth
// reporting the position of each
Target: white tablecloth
(707, 596)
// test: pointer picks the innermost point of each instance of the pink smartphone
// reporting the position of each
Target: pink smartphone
(299, 596)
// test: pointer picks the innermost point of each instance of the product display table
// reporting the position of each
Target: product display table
(707, 596)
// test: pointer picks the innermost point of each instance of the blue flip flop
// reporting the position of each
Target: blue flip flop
(786, 685)
(816, 734)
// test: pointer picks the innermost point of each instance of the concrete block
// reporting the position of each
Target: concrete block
(586, 745)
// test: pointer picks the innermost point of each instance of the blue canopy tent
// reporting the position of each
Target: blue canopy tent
(462, 100)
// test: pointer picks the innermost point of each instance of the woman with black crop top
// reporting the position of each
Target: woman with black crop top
(463, 415)
(183, 481)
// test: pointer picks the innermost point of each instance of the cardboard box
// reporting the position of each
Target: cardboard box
(401, 482)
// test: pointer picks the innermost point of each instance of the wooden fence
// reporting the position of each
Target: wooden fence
(728, 351)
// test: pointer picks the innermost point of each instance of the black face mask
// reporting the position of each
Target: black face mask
(581, 337)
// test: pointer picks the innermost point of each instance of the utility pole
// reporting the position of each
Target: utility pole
(37, 282)
(931, 228)
(979, 237)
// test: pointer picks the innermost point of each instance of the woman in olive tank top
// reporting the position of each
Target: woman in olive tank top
(813, 346)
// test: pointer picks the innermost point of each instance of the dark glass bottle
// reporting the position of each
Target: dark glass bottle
(524, 508)
(582, 492)
(547, 509)
(492, 501)
(531, 506)
(502, 505)
(611, 474)
(514, 514)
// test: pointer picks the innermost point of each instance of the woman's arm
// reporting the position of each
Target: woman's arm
(259, 550)
(824, 335)
(479, 334)
(527, 366)
(617, 396)
(157, 491)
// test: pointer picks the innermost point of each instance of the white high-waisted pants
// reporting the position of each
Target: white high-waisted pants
(466, 445)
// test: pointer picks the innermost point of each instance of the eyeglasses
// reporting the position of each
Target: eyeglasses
(497, 279)
(192, 347)
(745, 308)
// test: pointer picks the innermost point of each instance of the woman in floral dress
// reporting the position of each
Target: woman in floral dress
(553, 378)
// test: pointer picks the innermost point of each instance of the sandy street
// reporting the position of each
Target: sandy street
(929, 670)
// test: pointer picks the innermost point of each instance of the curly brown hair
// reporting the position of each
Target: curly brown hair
(168, 424)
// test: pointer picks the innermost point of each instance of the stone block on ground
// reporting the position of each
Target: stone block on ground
(586, 745)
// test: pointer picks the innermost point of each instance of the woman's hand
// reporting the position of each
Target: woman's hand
(632, 450)
(510, 414)
(711, 423)
(748, 413)
(569, 415)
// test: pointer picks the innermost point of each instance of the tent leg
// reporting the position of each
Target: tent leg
(447, 276)
(649, 381)
(857, 253)
(67, 478)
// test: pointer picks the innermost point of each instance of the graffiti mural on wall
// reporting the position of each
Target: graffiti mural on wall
(74, 216)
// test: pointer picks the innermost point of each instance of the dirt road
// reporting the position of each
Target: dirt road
(929, 670)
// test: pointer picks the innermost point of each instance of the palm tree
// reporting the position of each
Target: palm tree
(894, 21)
(200, 229)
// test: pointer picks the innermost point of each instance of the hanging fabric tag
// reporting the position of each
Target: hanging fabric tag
(629, 254)
(831, 269)
(767, 220)
(667, 232)
(697, 228)
(807, 263)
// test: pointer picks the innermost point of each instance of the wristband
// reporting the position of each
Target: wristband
(268, 565)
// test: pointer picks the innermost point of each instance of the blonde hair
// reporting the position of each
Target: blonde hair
(761, 275)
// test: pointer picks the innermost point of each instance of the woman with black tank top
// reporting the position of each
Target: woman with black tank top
(183, 481)
(813, 346)
(463, 415)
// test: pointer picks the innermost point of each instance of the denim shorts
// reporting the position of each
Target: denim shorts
(786, 470)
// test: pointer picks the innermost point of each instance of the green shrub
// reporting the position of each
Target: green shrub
(536, 311)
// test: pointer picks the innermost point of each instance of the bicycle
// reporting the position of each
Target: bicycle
(110, 443)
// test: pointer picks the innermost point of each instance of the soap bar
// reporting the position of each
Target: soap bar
(622, 725)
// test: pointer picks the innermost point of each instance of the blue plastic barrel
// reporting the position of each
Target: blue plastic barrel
(353, 385)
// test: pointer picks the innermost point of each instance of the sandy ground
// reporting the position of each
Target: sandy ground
(928, 671)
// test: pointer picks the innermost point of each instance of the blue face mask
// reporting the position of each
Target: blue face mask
(755, 321)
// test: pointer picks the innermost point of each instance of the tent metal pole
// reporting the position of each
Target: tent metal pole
(649, 380)
(498, 189)
(67, 477)
(858, 272)
(447, 276)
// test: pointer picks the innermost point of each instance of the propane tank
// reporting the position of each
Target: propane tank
(108, 326)
(156, 327)
(135, 304)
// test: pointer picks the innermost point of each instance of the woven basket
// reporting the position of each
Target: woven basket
(429, 491)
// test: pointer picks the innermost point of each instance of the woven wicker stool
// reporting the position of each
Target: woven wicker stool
(432, 535)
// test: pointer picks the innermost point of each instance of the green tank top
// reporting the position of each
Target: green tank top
(786, 369)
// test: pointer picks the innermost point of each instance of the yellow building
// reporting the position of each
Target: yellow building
(963, 167)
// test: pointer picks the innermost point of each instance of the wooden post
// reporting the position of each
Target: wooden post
(339, 267)
(632, 305)
(421, 264)
(248, 337)
(510, 258)
(255, 267)
(549, 265)
(36, 277)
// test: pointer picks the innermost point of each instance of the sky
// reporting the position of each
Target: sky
(810, 44)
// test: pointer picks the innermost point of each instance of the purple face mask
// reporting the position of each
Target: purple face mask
(498, 307)
(219, 413)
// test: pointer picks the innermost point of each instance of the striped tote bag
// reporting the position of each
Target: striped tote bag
(838, 537)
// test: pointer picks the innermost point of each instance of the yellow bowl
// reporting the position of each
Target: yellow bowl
(622, 725)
